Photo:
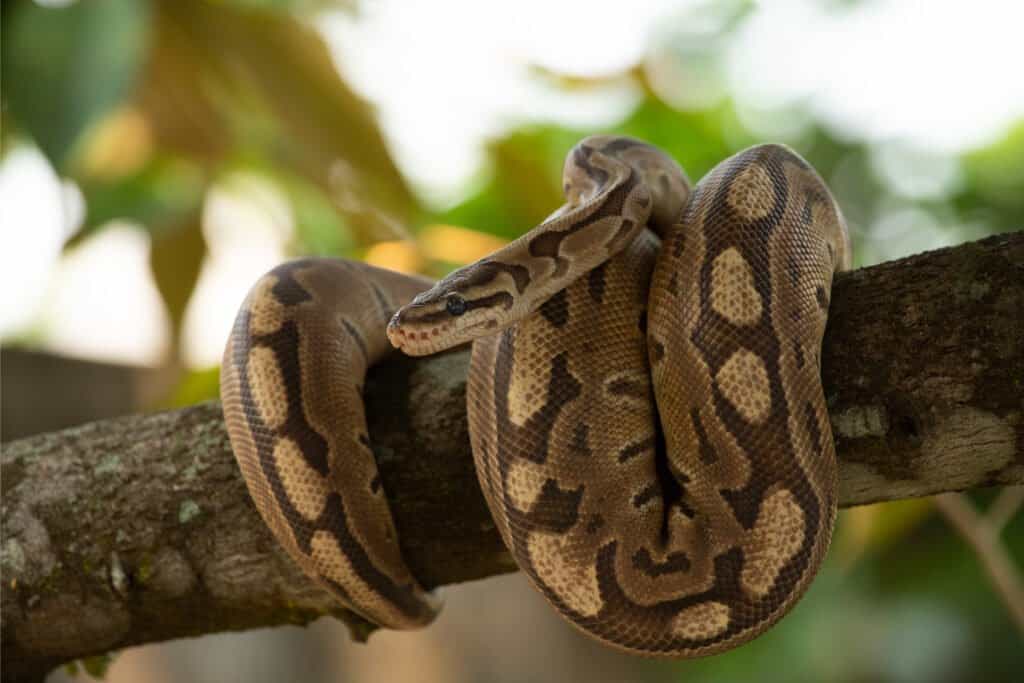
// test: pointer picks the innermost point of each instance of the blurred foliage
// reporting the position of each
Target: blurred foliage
(161, 100)
(994, 191)
(158, 101)
(195, 387)
(90, 53)
(147, 105)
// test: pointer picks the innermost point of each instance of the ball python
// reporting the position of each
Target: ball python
(644, 398)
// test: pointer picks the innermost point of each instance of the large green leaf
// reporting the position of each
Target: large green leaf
(994, 187)
(523, 184)
(162, 192)
(65, 67)
(230, 80)
(320, 229)
(175, 260)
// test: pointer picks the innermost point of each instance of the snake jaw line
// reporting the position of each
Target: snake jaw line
(440, 336)
(409, 342)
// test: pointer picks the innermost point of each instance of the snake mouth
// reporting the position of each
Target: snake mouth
(436, 338)
(413, 343)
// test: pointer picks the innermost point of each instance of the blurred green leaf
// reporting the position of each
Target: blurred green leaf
(8, 132)
(176, 258)
(64, 67)
(297, 6)
(163, 192)
(933, 562)
(697, 140)
(522, 186)
(524, 183)
(98, 665)
(195, 387)
(231, 79)
(319, 227)
(995, 182)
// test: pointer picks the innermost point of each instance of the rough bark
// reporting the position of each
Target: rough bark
(139, 529)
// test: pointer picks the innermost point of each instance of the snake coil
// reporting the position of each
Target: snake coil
(644, 399)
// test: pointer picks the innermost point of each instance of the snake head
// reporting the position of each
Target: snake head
(614, 186)
(475, 301)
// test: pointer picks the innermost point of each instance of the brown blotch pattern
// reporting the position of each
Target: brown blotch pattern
(556, 563)
(274, 422)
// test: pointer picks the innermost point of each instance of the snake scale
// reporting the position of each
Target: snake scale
(644, 397)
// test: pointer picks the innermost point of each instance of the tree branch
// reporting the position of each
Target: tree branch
(981, 532)
(139, 529)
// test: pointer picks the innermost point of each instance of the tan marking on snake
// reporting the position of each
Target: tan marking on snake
(299, 479)
(523, 482)
(743, 380)
(327, 553)
(529, 382)
(573, 582)
(773, 541)
(701, 621)
(733, 295)
(266, 312)
(750, 192)
(268, 386)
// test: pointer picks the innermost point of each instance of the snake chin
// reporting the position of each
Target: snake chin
(415, 349)
(410, 343)
(416, 339)
(436, 340)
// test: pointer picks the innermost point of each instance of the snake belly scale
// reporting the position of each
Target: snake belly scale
(644, 399)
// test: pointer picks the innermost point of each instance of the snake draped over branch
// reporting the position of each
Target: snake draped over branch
(644, 398)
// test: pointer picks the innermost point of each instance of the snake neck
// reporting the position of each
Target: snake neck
(614, 187)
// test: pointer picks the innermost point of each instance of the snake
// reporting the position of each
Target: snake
(644, 400)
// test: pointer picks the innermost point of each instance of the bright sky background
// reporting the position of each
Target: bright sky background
(938, 77)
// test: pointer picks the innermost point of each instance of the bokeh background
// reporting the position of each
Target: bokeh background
(158, 156)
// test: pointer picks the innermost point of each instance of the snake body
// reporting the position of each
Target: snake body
(648, 424)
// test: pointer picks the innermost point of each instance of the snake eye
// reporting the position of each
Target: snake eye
(455, 305)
